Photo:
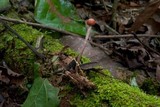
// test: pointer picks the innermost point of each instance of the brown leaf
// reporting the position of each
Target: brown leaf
(145, 15)
(10, 72)
(3, 78)
(76, 43)
(8, 76)
(133, 4)
(156, 16)
(133, 57)
(153, 26)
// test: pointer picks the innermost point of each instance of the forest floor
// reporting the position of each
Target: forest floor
(42, 62)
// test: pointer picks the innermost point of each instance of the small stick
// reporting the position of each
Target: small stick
(105, 7)
(123, 36)
(114, 11)
(111, 30)
(145, 46)
(37, 25)
(107, 51)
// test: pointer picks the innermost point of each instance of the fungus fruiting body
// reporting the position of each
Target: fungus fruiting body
(91, 22)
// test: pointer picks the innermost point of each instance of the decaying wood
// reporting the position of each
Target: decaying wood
(80, 81)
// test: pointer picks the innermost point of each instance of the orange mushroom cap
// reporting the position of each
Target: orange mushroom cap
(91, 22)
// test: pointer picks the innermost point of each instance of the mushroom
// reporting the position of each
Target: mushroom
(90, 22)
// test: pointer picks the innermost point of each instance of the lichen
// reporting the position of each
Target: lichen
(115, 93)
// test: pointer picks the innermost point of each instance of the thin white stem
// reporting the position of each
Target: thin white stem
(85, 42)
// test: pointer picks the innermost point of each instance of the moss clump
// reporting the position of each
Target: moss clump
(52, 45)
(75, 54)
(116, 94)
(18, 56)
(150, 86)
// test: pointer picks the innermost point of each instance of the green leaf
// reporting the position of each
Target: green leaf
(58, 14)
(42, 94)
(4, 4)
(36, 70)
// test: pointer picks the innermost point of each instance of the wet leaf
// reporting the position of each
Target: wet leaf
(59, 14)
(42, 94)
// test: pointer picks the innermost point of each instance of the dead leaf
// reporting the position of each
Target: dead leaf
(3, 78)
(76, 43)
(8, 76)
(153, 26)
(132, 56)
(145, 15)
(133, 4)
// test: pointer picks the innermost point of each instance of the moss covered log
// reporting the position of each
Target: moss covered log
(115, 93)
(18, 56)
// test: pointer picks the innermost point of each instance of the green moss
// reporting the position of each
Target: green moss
(92, 100)
(85, 60)
(150, 86)
(52, 45)
(19, 56)
(116, 94)
(12, 14)
(1, 46)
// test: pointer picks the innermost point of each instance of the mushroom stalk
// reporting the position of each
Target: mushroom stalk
(85, 42)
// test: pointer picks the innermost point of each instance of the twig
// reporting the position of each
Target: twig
(114, 13)
(124, 36)
(107, 51)
(111, 29)
(20, 38)
(105, 7)
(39, 43)
(37, 25)
(144, 45)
